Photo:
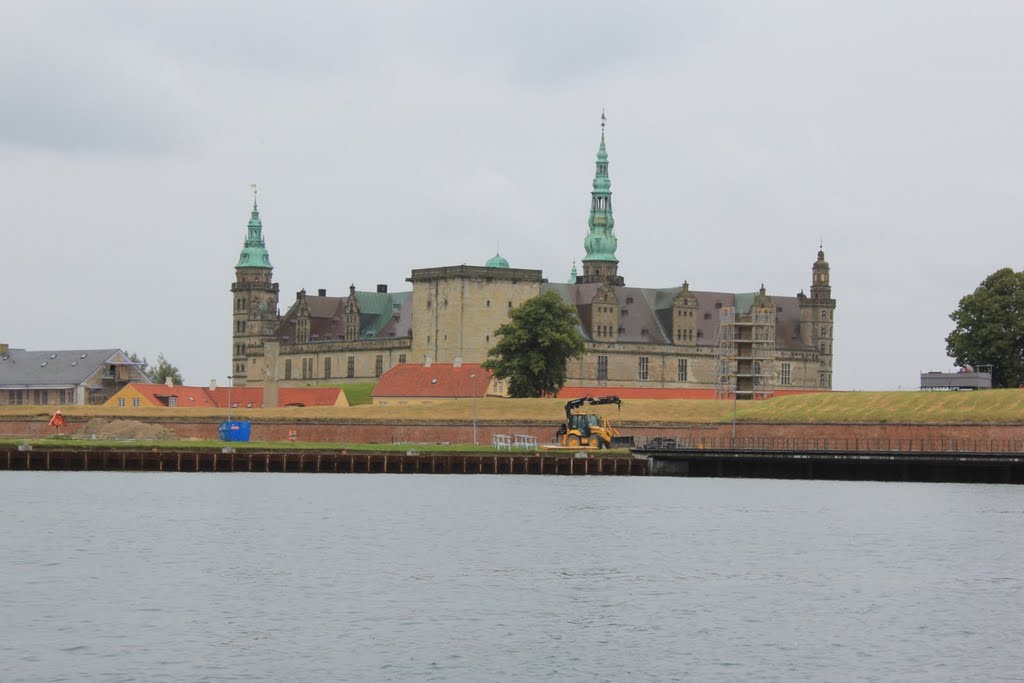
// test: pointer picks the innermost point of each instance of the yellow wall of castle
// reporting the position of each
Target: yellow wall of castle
(457, 317)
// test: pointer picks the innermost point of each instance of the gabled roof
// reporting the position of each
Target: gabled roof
(646, 314)
(438, 380)
(241, 397)
(185, 397)
(21, 368)
(381, 314)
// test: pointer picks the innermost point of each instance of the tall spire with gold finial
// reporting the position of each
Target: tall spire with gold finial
(254, 252)
(600, 264)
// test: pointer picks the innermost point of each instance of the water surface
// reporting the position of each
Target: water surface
(219, 577)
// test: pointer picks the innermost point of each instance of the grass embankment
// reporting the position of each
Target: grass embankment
(192, 445)
(1003, 406)
(358, 393)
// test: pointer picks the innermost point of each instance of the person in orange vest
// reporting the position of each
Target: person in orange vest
(57, 420)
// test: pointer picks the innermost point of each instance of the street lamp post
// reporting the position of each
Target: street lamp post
(734, 416)
(472, 379)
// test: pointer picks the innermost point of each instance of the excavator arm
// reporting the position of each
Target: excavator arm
(592, 400)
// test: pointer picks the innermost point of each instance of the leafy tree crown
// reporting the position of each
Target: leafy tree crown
(541, 335)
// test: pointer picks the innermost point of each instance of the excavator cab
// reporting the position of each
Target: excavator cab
(588, 430)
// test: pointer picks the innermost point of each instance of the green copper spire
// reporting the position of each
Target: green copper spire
(600, 243)
(254, 253)
(572, 274)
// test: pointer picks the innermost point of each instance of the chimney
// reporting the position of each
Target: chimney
(170, 381)
(321, 292)
(427, 360)
(382, 289)
(457, 362)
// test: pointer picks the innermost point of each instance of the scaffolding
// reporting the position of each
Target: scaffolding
(746, 353)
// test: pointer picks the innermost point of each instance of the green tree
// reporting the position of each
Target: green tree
(162, 370)
(990, 328)
(142, 363)
(542, 334)
(159, 371)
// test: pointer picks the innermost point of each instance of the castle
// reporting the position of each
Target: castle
(677, 340)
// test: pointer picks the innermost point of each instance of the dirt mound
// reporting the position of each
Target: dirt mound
(104, 428)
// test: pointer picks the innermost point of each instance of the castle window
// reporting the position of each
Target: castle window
(821, 380)
(510, 304)
(401, 358)
(287, 368)
(824, 315)
(120, 403)
(172, 401)
(642, 369)
(602, 367)
(378, 367)
(784, 376)
(681, 368)
(488, 303)
(429, 303)
(136, 402)
(327, 368)
(350, 371)
(487, 338)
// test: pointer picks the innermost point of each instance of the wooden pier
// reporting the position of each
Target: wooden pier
(314, 461)
(867, 460)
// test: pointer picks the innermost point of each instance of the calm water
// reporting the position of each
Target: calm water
(213, 577)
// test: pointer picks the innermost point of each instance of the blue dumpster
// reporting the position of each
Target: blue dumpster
(231, 430)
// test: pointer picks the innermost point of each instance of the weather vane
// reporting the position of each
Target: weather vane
(253, 186)
(603, 118)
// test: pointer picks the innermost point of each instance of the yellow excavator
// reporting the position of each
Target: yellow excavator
(588, 430)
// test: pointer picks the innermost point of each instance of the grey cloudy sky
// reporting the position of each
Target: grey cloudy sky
(387, 136)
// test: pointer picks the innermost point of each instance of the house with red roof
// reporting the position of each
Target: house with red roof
(423, 383)
(170, 396)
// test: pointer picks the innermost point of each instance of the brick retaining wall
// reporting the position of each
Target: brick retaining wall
(420, 432)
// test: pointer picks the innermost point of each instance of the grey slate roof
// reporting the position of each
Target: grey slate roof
(646, 314)
(381, 315)
(21, 368)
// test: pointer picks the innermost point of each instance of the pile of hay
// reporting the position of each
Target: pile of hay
(108, 429)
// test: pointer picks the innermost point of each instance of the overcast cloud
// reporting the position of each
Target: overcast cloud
(391, 136)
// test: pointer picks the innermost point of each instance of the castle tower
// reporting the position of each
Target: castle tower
(254, 313)
(600, 264)
(816, 319)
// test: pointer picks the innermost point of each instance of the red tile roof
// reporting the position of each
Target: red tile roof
(655, 392)
(185, 397)
(439, 380)
(241, 397)
(635, 392)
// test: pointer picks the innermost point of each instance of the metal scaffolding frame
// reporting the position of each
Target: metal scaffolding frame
(746, 353)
